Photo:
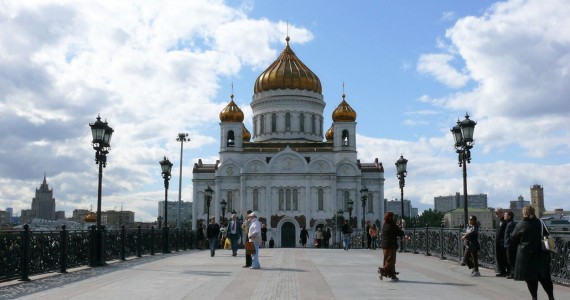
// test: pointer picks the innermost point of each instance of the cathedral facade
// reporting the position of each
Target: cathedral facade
(289, 171)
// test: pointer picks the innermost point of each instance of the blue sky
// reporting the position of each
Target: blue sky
(410, 69)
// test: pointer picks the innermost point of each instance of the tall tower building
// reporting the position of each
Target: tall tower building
(43, 204)
(537, 199)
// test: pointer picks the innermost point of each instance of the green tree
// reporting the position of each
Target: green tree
(430, 217)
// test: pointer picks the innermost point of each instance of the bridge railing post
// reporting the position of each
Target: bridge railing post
(63, 250)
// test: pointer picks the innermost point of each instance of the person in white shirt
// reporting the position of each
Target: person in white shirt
(254, 235)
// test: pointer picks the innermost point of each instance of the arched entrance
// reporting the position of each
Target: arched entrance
(288, 236)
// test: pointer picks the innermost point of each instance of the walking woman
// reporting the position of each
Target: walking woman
(304, 236)
(390, 234)
(532, 263)
(471, 241)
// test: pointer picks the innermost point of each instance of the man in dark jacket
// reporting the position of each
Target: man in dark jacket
(500, 254)
(212, 233)
(390, 234)
(510, 249)
(234, 233)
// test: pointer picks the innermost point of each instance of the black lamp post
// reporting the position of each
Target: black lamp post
(463, 135)
(363, 197)
(401, 165)
(339, 214)
(166, 167)
(208, 196)
(223, 204)
(349, 205)
(101, 133)
(182, 137)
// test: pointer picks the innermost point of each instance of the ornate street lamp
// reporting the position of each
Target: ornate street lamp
(208, 197)
(101, 133)
(166, 167)
(339, 214)
(363, 197)
(401, 166)
(182, 137)
(349, 205)
(463, 135)
(223, 204)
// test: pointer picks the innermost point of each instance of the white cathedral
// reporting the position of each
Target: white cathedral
(286, 172)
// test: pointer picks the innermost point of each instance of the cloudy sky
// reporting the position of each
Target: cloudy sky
(153, 69)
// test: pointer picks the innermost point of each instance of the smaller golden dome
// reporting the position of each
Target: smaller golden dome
(246, 134)
(343, 112)
(231, 113)
(330, 134)
(90, 218)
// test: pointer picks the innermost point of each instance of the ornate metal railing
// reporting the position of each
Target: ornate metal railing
(25, 253)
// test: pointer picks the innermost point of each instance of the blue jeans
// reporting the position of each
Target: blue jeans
(213, 245)
(374, 243)
(255, 258)
(346, 240)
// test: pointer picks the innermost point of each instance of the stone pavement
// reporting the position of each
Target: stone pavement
(285, 274)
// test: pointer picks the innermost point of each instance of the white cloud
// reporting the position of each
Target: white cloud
(439, 66)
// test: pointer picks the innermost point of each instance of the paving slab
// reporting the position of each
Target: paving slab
(299, 273)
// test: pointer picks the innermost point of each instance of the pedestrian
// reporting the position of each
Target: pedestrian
(390, 234)
(213, 233)
(373, 232)
(319, 238)
(471, 241)
(263, 235)
(327, 236)
(510, 249)
(234, 233)
(532, 263)
(200, 236)
(254, 236)
(346, 230)
(500, 254)
(245, 229)
(304, 236)
(271, 242)
(368, 236)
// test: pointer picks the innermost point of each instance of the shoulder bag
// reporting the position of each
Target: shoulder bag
(548, 243)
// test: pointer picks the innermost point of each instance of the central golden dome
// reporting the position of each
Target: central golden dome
(287, 72)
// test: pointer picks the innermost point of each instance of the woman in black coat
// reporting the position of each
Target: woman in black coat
(532, 263)
(390, 234)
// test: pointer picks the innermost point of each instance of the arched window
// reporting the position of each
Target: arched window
(287, 199)
(313, 124)
(320, 126)
(302, 122)
(320, 200)
(205, 207)
(345, 138)
(255, 200)
(262, 124)
(287, 122)
(370, 203)
(273, 123)
(295, 200)
(230, 139)
(230, 204)
(281, 199)
(254, 126)
(346, 199)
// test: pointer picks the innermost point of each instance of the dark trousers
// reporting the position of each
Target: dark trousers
(501, 257)
(389, 267)
(248, 260)
(546, 285)
(511, 259)
(471, 259)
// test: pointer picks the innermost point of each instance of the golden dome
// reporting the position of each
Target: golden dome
(90, 218)
(330, 134)
(231, 113)
(343, 112)
(287, 72)
(246, 134)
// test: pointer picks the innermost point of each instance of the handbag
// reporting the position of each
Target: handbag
(249, 248)
(548, 242)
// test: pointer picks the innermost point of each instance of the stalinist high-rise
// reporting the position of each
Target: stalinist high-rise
(537, 199)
